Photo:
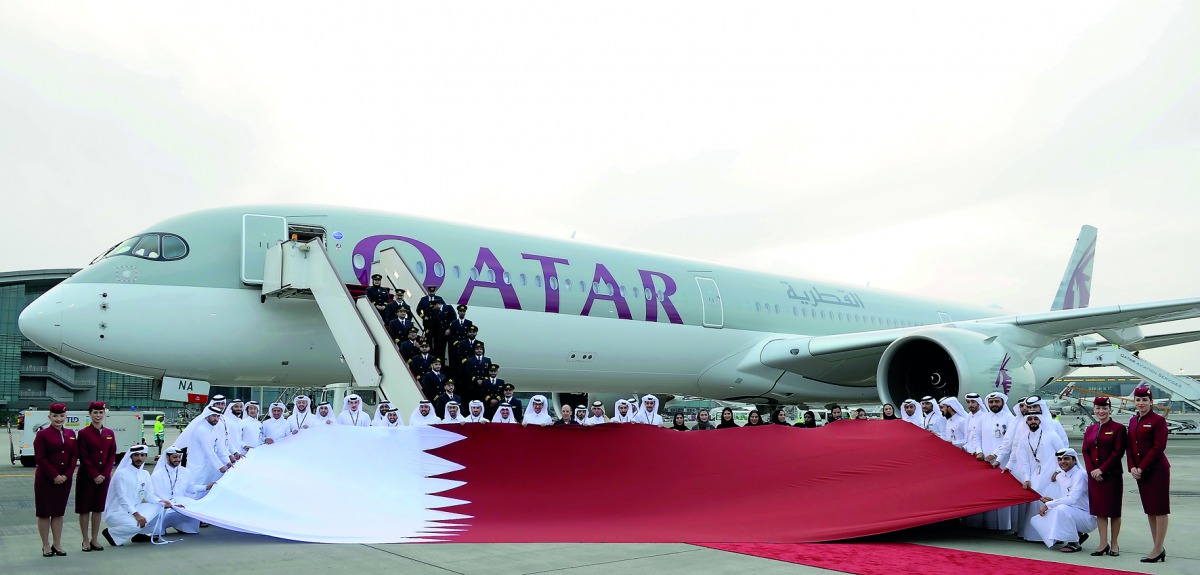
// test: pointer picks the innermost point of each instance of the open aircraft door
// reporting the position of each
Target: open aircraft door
(710, 296)
(258, 234)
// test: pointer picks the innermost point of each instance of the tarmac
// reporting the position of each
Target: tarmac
(216, 550)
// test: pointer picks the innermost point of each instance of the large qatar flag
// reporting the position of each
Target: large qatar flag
(611, 483)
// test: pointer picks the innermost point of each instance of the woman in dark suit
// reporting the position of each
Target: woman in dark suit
(1103, 448)
(1149, 467)
(55, 451)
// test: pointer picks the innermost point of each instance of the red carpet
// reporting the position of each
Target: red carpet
(638, 484)
(895, 558)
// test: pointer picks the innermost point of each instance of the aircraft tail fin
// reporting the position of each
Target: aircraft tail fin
(1075, 290)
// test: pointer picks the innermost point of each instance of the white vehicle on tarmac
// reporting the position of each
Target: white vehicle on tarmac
(126, 425)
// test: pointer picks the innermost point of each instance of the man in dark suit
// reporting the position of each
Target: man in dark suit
(445, 397)
(422, 362)
(400, 325)
(476, 365)
(434, 380)
(426, 302)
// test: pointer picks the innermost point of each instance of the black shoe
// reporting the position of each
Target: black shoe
(47, 553)
(139, 538)
(57, 552)
(108, 537)
(95, 547)
(1100, 552)
(1083, 537)
(86, 549)
(1161, 557)
(1114, 553)
(1071, 547)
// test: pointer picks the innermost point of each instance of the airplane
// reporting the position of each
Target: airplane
(180, 299)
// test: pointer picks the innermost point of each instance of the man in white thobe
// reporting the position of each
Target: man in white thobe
(476, 413)
(504, 414)
(207, 459)
(931, 418)
(388, 418)
(955, 430)
(622, 413)
(131, 507)
(1066, 516)
(974, 415)
(909, 410)
(454, 414)
(994, 425)
(325, 415)
(303, 416)
(232, 419)
(251, 428)
(1033, 463)
(276, 427)
(649, 412)
(538, 412)
(423, 414)
(596, 417)
(175, 488)
(352, 412)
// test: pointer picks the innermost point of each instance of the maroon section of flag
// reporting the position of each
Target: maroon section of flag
(197, 398)
(634, 483)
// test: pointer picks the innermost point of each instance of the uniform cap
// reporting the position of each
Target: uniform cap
(494, 367)
(376, 276)
(95, 405)
(58, 408)
(1102, 401)
(1142, 391)
(462, 307)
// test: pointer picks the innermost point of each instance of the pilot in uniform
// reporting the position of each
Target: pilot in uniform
(422, 362)
(377, 294)
(396, 302)
(435, 328)
(434, 380)
(400, 325)
(426, 302)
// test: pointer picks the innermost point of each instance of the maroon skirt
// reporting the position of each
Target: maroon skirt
(50, 500)
(1104, 497)
(89, 497)
(1155, 489)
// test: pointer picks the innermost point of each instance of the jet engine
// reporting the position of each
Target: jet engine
(945, 361)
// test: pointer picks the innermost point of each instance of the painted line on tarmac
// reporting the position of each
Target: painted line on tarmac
(22, 475)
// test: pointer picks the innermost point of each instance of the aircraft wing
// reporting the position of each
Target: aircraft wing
(1046, 326)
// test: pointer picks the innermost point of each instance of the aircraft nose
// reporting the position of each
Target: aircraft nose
(41, 322)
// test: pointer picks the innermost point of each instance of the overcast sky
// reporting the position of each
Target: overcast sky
(949, 148)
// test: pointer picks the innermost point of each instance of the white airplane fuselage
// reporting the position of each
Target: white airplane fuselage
(557, 315)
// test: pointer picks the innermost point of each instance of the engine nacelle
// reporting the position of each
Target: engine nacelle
(947, 361)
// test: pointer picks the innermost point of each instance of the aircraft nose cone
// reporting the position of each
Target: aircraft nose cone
(41, 322)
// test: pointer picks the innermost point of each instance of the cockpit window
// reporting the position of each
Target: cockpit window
(158, 247)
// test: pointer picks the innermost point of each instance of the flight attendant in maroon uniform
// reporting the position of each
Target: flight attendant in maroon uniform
(1149, 466)
(55, 451)
(1103, 448)
(97, 455)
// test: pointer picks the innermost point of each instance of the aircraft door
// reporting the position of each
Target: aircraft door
(710, 299)
(259, 233)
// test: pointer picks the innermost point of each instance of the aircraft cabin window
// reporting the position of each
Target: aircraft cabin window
(439, 270)
(474, 274)
(524, 279)
(660, 295)
(596, 287)
(537, 280)
(491, 276)
(554, 283)
(757, 306)
(567, 284)
(623, 292)
(507, 278)
(582, 286)
(776, 309)
(822, 314)
(420, 267)
(457, 272)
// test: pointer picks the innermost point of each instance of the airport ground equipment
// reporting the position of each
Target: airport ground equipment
(127, 426)
(1179, 388)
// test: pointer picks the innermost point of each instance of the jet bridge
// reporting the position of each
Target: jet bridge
(295, 269)
(1182, 389)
